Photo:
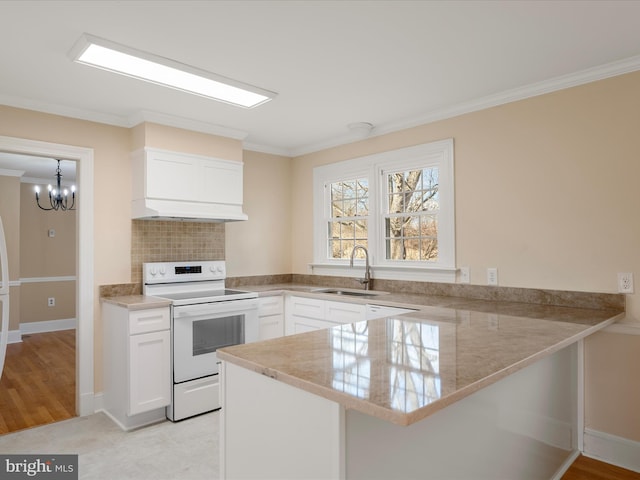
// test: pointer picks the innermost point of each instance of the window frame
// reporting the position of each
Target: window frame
(440, 154)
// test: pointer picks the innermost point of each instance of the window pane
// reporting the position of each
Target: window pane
(429, 249)
(349, 189)
(362, 207)
(349, 208)
(362, 189)
(395, 249)
(411, 249)
(347, 230)
(337, 209)
(336, 191)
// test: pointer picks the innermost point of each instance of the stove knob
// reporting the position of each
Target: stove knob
(163, 270)
(212, 269)
(220, 270)
(153, 271)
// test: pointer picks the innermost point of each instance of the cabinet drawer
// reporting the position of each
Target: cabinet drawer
(304, 324)
(196, 396)
(342, 312)
(270, 306)
(307, 307)
(149, 320)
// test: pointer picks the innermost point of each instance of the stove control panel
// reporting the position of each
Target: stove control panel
(176, 272)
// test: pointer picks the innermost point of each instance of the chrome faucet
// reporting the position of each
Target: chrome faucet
(366, 281)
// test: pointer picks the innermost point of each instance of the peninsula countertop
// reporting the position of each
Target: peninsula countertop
(406, 367)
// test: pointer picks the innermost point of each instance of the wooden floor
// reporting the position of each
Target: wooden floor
(38, 385)
(585, 468)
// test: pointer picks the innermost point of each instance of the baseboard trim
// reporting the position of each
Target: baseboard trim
(566, 465)
(14, 336)
(48, 326)
(612, 449)
(85, 405)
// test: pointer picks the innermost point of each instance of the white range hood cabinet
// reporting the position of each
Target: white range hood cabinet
(179, 186)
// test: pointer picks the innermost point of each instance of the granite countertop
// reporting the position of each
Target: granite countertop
(404, 368)
(137, 302)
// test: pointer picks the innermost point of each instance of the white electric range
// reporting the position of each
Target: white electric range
(205, 316)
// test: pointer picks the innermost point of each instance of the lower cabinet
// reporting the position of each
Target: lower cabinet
(149, 371)
(137, 364)
(271, 317)
(306, 314)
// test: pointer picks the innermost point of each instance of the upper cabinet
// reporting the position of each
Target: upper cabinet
(179, 186)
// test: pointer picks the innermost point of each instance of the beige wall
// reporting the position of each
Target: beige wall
(546, 191)
(262, 244)
(179, 140)
(41, 255)
(44, 256)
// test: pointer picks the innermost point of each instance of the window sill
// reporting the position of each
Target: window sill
(384, 272)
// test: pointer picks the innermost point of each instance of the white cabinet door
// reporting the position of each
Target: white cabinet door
(307, 307)
(343, 312)
(171, 176)
(221, 181)
(271, 326)
(149, 371)
(271, 317)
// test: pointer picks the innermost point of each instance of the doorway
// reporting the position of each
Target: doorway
(85, 290)
(38, 382)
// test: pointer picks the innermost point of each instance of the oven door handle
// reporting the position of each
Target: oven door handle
(215, 308)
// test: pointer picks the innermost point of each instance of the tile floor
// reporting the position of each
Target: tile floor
(186, 450)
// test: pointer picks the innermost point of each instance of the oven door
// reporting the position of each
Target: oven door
(199, 330)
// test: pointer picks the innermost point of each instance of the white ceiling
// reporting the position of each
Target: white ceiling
(391, 63)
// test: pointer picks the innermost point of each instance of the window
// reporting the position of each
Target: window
(398, 204)
(348, 224)
(411, 216)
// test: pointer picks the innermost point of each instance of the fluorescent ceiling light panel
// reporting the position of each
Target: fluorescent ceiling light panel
(100, 53)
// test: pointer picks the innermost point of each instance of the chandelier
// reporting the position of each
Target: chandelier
(58, 196)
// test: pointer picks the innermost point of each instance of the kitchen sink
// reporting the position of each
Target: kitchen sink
(352, 293)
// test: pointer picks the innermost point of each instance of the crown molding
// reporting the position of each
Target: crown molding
(5, 172)
(63, 111)
(270, 149)
(582, 77)
(562, 82)
(185, 123)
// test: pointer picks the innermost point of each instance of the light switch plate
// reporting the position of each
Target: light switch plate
(492, 276)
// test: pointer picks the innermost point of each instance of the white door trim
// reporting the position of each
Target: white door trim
(85, 290)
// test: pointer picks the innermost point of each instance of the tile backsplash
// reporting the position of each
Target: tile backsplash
(168, 241)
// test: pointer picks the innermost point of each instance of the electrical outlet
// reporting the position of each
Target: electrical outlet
(492, 276)
(51, 302)
(464, 275)
(625, 282)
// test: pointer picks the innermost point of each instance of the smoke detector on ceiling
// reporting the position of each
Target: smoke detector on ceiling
(361, 129)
